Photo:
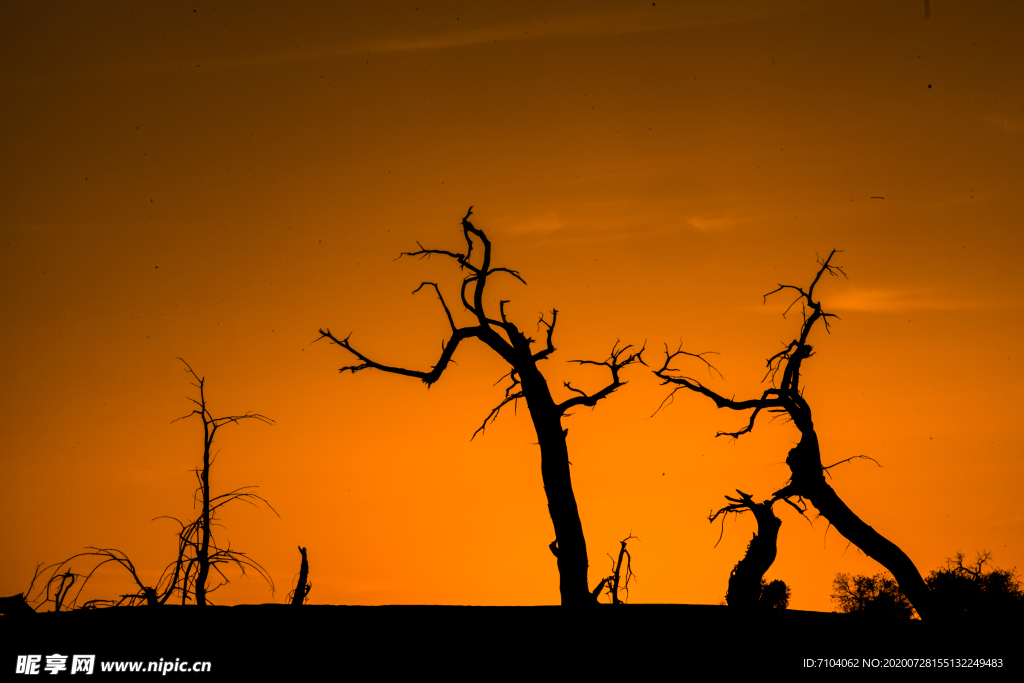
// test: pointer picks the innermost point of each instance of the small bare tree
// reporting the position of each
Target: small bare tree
(525, 382)
(746, 581)
(807, 478)
(196, 538)
(62, 578)
(186, 576)
(300, 594)
(618, 579)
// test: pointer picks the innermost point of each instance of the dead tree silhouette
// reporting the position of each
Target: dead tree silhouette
(302, 586)
(198, 551)
(746, 581)
(615, 581)
(525, 382)
(807, 474)
(198, 536)
(62, 578)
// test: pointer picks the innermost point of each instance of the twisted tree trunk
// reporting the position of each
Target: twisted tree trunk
(745, 580)
(808, 480)
(808, 474)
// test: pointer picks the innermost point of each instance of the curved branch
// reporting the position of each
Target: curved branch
(510, 395)
(766, 400)
(443, 304)
(427, 377)
(511, 272)
(493, 415)
(614, 363)
(422, 252)
(853, 457)
(465, 302)
(547, 351)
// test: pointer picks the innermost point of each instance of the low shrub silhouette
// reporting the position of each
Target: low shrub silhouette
(775, 595)
(969, 591)
(958, 591)
(877, 597)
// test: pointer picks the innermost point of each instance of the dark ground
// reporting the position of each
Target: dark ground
(642, 641)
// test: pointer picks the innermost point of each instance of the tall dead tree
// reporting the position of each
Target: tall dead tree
(198, 552)
(198, 535)
(807, 474)
(525, 382)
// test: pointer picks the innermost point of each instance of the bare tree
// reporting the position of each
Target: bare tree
(525, 382)
(300, 595)
(198, 552)
(619, 580)
(746, 581)
(807, 474)
(62, 578)
(198, 536)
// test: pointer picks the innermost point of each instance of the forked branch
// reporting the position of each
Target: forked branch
(512, 395)
(616, 579)
(745, 503)
(769, 399)
(550, 348)
(618, 359)
(427, 377)
(786, 397)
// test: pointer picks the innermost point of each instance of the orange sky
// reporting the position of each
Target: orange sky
(216, 181)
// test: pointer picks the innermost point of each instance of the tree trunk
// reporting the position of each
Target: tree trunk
(808, 480)
(302, 588)
(745, 580)
(570, 546)
(203, 554)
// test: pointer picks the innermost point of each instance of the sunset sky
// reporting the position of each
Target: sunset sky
(215, 181)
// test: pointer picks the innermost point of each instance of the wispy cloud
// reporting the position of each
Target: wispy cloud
(620, 20)
(536, 224)
(591, 23)
(1007, 125)
(713, 224)
(896, 300)
(742, 211)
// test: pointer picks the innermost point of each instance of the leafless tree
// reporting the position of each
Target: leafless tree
(807, 474)
(62, 578)
(198, 553)
(525, 382)
(300, 594)
(619, 580)
(747, 578)
(196, 539)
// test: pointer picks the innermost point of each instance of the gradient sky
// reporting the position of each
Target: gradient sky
(215, 181)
